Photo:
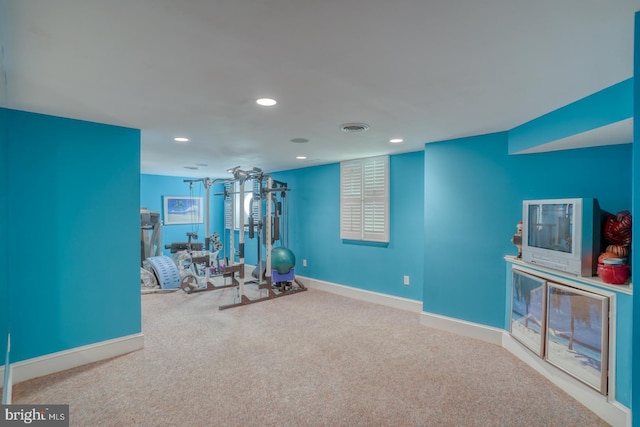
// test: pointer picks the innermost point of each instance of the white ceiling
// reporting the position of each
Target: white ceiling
(422, 70)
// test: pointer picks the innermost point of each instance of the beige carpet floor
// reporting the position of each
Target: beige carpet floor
(309, 359)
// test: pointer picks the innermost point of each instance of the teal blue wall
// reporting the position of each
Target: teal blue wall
(4, 289)
(600, 172)
(154, 187)
(314, 203)
(635, 248)
(471, 211)
(473, 200)
(314, 234)
(624, 353)
(607, 106)
(73, 192)
(314, 227)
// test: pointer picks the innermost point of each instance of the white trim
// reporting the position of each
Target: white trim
(7, 395)
(608, 409)
(364, 295)
(611, 411)
(462, 327)
(7, 375)
(67, 359)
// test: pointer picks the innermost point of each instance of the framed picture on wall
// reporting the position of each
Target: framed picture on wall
(578, 334)
(182, 210)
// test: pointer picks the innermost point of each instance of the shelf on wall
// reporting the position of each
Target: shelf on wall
(627, 288)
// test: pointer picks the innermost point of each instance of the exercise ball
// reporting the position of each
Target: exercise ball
(282, 260)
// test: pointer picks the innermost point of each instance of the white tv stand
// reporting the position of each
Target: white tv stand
(606, 406)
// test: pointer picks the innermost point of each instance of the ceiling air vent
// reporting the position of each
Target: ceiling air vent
(299, 140)
(354, 127)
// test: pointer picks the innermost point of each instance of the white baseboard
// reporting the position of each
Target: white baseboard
(67, 359)
(7, 380)
(462, 327)
(363, 295)
(611, 411)
(7, 385)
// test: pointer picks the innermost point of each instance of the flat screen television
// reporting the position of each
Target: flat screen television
(562, 234)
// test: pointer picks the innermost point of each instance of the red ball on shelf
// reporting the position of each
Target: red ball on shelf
(614, 274)
(617, 228)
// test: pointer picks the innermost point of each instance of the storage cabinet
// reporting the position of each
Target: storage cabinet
(565, 325)
(528, 311)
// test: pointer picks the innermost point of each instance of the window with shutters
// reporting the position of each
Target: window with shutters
(251, 187)
(364, 199)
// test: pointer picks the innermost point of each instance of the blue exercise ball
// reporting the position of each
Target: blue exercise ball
(282, 260)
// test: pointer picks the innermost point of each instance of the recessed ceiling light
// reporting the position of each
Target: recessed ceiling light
(299, 140)
(181, 139)
(301, 157)
(266, 102)
(193, 168)
(396, 140)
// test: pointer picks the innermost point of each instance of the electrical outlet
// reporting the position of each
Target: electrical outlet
(304, 262)
(406, 280)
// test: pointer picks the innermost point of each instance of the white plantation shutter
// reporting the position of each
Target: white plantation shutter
(375, 202)
(256, 196)
(364, 199)
(250, 187)
(351, 200)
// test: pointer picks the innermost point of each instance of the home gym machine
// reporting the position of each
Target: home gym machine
(203, 267)
(150, 234)
(265, 192)
(158, 273)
